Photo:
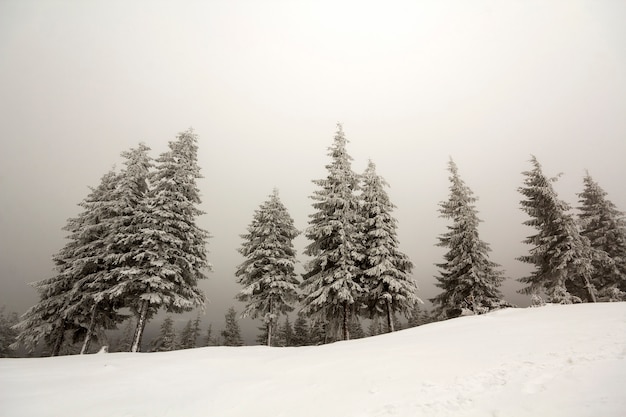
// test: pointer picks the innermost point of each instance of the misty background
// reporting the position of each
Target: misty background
(263, 84)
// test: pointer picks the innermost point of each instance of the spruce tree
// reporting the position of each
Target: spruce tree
(232, 332)
(270, 286)
(605, 227)
(561, 256)
(110, 248)
(65, 305)
(189, 334)
(166, 251)
(8, 335)
(331, 282)
(300, 332)
(166, 340)
(386, 270)
(469, 280)
(285, 334)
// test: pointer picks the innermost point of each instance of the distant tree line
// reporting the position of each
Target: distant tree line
(136, 247)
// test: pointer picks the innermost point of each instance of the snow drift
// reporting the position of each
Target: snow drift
(548, 361)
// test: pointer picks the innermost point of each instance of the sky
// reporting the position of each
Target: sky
(263, 84)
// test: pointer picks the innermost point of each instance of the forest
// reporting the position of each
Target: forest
(135, 250)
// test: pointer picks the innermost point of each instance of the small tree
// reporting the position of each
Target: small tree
(270, 286)
(166, 340)
(605, 227)
(389, 287)
(232, 332)
(331, 285)
(285, 334)
(301, 332)
(8, 334)
(125, 339)
(561, 256)
(189, 334)
(469, 280)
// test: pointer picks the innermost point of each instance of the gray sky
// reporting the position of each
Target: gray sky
(263, 84)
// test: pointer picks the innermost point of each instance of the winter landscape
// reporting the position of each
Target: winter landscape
(565, 360)
(396, 208)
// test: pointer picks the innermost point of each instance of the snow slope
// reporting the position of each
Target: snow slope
(548, 361)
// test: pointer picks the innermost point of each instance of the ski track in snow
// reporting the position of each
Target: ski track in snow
(549, 361)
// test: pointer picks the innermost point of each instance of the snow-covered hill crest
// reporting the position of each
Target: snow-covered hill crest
(549, 361)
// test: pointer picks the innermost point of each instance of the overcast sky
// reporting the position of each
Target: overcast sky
(263, 83)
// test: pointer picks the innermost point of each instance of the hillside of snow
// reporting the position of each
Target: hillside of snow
(548, 361)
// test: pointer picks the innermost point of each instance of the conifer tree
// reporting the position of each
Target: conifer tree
(8, 335)
(166, 251)
(166, 340)
(300, 331)
(109, 247)
(270, 286)
(209, 340)
(63, 309)
(189, 334)
(232, 332)
(125, 339)
(386, 280)
(561, 256)
(605, 227)
(469, 280)
(332, 279)
(285, 333)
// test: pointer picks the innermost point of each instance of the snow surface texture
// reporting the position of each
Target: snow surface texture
(547, 361)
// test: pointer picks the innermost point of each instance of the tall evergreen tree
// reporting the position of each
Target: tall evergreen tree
(110, 246)
(165, 252)
(166, 340)
(468, 278)
(270, 286)
(605, 227)
(561, 256)
(386, 280)
(232, 331)
(331, 282)
(63, 309)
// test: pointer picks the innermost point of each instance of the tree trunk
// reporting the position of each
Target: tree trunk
(346, 318)
(92, 324)
(390, 328)
(141, 325)
(56, 348)
(269, 333)
(592, 294)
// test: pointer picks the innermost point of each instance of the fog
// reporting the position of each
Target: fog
(263, 84)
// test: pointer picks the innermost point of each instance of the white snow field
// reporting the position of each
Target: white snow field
(548, 361)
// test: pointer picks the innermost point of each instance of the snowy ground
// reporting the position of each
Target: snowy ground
(548, 361)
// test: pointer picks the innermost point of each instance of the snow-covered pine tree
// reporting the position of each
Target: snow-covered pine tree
(8, 335)
(561, 256)
(125, 340)
(270, 285)
(166, 251)
(605, 227)
(301, 331)
(388, 286)
(190, 333)
(331, 282)
(285, 333)
(469, 280)
(166, 340)
(66, 305)
(232, 331)
(115, 228)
